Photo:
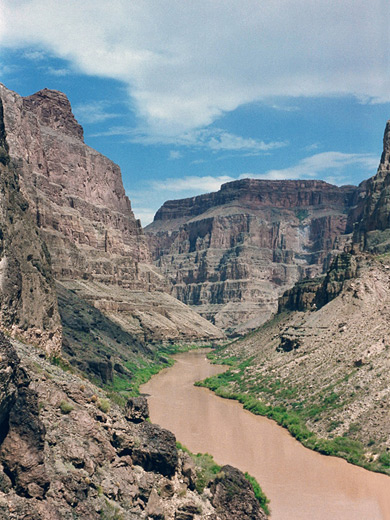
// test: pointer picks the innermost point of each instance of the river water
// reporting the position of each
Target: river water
(301, 484)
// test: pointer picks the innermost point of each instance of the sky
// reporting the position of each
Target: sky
(186, 95)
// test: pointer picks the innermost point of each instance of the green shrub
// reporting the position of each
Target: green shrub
(259, 493)
(104, 405)
(66, 407)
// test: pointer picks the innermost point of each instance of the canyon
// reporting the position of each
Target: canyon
(91, 305)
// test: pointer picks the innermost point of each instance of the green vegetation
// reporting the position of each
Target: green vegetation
(138, 373)
(66, 407)
(206, 468)
(259, 493)
(292, 414)
(301, 214)
(104, 405)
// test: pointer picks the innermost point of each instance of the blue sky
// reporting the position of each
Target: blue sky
(187, 95)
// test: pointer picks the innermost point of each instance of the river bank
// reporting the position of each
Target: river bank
(300, 483)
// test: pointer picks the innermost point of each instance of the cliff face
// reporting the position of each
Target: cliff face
(77, 199)
(28, 303)
(372, 216)
(230, 254)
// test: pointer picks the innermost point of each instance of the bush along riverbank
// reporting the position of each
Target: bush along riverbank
(208, 471)
(255, 395)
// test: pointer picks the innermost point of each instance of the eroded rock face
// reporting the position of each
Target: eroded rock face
(28, 302)
(232, 253)
(372, 216)
(21, 431)
(76, 197)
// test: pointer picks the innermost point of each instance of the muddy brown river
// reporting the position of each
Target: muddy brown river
(301, 484)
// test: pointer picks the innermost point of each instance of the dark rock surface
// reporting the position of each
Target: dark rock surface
(28, 303)
(233, 496)
(372, 216)
(314, 294)
(137, 409)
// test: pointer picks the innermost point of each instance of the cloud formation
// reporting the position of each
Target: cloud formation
(187, 63)
(93, 112)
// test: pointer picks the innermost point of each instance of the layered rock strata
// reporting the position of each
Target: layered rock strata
(28, 303)
(77, 199)
(232, 253)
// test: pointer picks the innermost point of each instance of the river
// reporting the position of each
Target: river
(301, 484)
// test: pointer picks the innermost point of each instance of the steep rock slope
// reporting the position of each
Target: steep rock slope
(66, 452)
(28, 303)
(230, 254)
(77, 199)
(372, 215)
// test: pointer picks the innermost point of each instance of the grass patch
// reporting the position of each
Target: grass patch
(293, 416)
(259, 493)
(122, 387)
(205, 466)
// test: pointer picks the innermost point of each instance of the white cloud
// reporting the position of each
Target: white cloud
(192, 184)
(185, 64)
(58, 72)
(214, 139)
(94, 112)
(332, 164)
(34, 55)
(175, 154)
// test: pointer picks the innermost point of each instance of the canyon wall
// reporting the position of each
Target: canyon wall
(232, 253)
(371, 218)
(76, 198)
(28, 302)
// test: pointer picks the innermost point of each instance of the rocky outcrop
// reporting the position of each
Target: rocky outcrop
(232, 253)
(22, 433)
(372, 215)
(28, 303)
(314, 294)
(233, 496)
(67, 452)
(76, 197)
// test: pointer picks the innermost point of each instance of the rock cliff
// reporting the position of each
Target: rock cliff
(76, 198)
(372, 215)
(232, 253)
(28, 302)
